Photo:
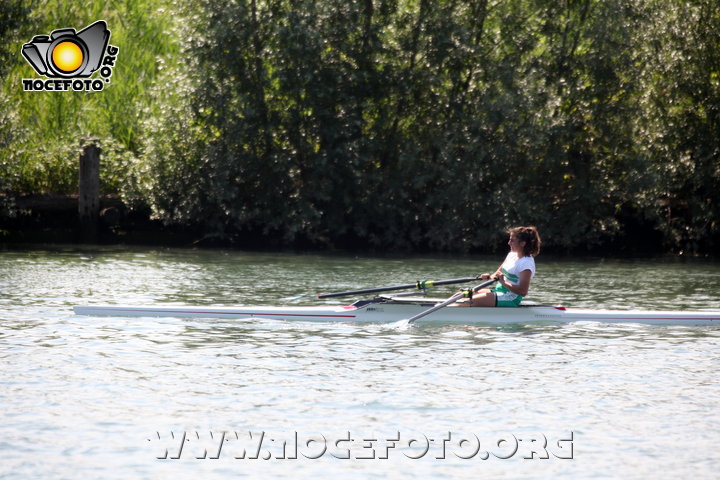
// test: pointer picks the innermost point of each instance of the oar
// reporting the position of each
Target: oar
(447, 302)
(420, 285)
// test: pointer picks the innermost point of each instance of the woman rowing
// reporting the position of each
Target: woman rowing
(515, 273)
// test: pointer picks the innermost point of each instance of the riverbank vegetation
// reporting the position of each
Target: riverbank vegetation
(399, 124)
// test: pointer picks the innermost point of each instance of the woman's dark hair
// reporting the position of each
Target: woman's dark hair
(530, 236)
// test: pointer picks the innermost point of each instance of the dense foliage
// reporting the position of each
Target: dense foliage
(401, 124)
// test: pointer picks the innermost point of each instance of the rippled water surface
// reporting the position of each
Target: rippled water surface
(104, 397)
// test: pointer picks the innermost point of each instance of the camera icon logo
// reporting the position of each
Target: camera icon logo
(67, 58)
(66, 53)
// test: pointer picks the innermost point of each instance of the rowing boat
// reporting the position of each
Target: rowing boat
(392, 309)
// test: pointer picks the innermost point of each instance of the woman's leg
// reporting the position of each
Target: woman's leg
(481, 298)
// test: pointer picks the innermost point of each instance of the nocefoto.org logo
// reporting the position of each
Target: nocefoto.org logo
(68, 58)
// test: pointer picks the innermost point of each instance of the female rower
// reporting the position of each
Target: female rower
(515, 273)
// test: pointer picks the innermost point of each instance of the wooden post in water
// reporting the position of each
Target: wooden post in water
(89, 186)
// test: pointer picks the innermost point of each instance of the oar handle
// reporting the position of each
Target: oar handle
(450, 300)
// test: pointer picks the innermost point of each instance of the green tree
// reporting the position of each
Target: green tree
(391, 124)
(680, 124)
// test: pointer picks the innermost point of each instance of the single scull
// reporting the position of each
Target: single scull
(388, 309)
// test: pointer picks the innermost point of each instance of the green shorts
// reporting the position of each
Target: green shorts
(505, 298)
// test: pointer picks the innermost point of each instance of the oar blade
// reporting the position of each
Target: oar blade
(400, 324)
(294, 299)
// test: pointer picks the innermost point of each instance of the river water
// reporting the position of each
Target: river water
(117, 398)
